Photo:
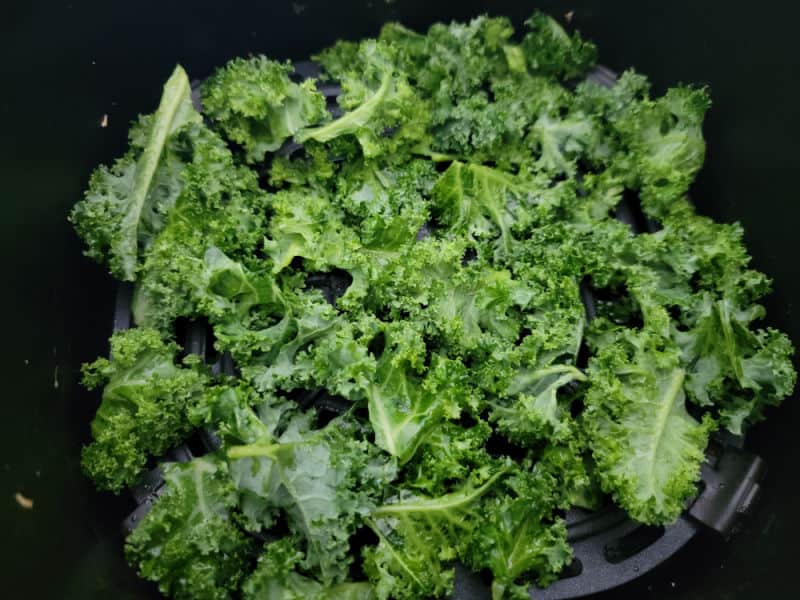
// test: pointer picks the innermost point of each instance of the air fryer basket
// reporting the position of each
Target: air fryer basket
(67, 63)
(610, 548)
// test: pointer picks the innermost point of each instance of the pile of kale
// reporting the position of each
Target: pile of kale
(465, 192)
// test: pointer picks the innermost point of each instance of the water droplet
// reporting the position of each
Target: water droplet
(635, 569)
(133, 518)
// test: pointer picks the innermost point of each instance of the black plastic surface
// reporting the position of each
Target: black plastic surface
(732, 487)
(67, 63)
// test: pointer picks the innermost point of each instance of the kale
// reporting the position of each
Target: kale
(460, 194)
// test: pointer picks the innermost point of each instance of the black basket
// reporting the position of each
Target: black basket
(610, 549)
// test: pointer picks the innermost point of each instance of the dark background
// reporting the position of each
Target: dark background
(65, 64)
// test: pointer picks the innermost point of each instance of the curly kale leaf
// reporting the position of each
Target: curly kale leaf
(512, 541)
(403, 406)
(383, 111)
(519, 537)
(447, 456)
(665, 142)
(389, 203)
(549, 50)
(647, 447)
(452, 61)
(536, 411)
(740, 369)
(308, 225)
(324, 481)
(480, 307)
(561, 141)
(281, 338)
(483, 202)
(532, 385)
(188, 543)
(277, 577)
(419, 538)
(698, 271)
(239, 415)
(220, 205)
(255, 103)
(486, 105)
(127, 205)
(254, 320)
(144, 410)
(504, 525)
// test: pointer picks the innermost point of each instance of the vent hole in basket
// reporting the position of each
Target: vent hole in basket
(632, 543)
(212, 354)
(629, 211)
(618, 305)
(470, 254)
(181, 330)
(332, 284)
(377, 345)
(571, 570)
(582, 360)
(364, 537)
(485, 577)
(196, 445)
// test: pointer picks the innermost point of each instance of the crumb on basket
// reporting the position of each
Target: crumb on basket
(23, 501)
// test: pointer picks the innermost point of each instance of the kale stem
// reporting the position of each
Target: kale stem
(253, 450)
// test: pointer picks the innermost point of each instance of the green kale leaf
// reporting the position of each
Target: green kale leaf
(188, 543)
(145, 405)
(383, 111)
(324, 481)
(276, 577)
(255, 103)
(648, 448)
(127, 205)
(419, 538)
